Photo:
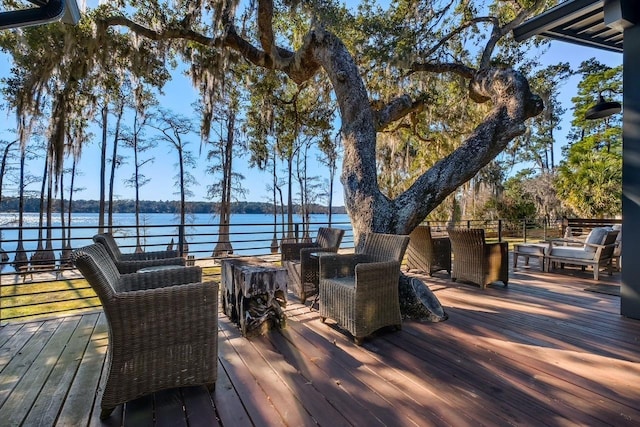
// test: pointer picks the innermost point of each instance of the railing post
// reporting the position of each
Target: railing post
(296, 231)
(524, 229)
(499, 230)
(468, 223)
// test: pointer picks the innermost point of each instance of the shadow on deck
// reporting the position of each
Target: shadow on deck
(541, 351)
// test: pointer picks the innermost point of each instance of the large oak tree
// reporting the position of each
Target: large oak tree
(213, 27)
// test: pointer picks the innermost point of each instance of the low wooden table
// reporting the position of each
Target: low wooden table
(527, 250)
(254, 294)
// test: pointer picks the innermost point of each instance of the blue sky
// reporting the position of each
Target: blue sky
(178, 97)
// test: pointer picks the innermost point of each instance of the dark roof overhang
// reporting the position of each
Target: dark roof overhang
(594, 23)
(42, 12)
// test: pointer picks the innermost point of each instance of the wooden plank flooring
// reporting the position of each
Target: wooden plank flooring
(540, 352)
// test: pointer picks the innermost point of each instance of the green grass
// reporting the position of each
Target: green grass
(34, 300)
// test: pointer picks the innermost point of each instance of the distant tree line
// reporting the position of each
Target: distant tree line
(11, 204)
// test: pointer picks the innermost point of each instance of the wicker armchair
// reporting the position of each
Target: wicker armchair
(162, 327)
(426, 253)
(360, 291)
(130, 263)
(302, 267)
(476, 261)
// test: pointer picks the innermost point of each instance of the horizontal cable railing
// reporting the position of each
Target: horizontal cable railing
(37, 278)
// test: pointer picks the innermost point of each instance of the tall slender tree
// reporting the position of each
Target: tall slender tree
(330, 155)
(223, 148)
(135, 139)
(4, 171)
(175, 130)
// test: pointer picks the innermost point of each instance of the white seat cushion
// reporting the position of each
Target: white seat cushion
(572, 252)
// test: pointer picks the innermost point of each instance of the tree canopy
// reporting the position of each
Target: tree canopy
(403, 71)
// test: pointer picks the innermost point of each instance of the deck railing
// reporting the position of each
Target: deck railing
(51, 286)
(47, 284)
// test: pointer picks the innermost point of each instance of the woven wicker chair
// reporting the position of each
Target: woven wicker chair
(476, 261)
(130, 263)
(426, 253)
(302, 267)
(360, 291)
(162, 327)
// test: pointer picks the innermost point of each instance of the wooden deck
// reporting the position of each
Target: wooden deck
(541, 352)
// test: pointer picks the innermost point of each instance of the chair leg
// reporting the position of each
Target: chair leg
(106, 413)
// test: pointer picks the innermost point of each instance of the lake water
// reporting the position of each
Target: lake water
(250, 234)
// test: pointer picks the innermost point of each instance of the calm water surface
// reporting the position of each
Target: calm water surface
(250, 233)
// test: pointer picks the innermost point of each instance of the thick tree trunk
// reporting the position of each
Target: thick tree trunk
(372, 211)
(418, 302)
(368, 208)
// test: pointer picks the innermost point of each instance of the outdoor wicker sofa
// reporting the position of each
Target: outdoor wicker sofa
(360, 291)
(162, 327)
(301, 263)
(475, 260)
(132, 262)
(427, 253)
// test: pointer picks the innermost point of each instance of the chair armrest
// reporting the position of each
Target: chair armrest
(184, 309)
(126, 267)
(596, 246)
(159, 279)
(340, 265)
(598, 249)
(306, 253)
(291, 251)
(149, 255)
(374, 274)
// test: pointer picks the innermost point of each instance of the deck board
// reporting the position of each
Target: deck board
(18, 404)
(75, 411)
(540, 351)
(53, 393)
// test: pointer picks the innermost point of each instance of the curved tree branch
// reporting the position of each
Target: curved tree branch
(499, 32)
(397, 109)
(433, 67)
(300, 66)
(514, 103)
(163, 34)
(265, 27)
(459, 30)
